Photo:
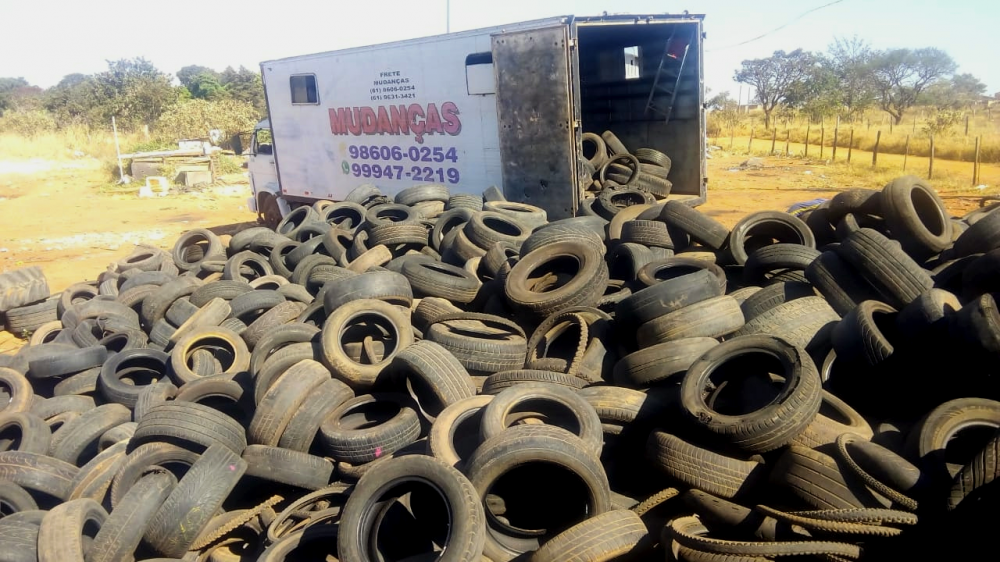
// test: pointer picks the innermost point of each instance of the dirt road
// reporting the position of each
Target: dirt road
(54, 215)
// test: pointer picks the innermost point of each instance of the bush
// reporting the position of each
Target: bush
(27, 123)
(195, 118)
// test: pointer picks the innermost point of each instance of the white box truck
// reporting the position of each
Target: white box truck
(503, 106)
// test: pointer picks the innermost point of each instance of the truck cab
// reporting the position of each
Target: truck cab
(263, 173)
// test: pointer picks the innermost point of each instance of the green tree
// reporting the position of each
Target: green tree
(900, 76)
(206, 86)
(132, 90)
(245, 85)
(775, 77)
(849, 60)
(960, 92)
(818, 94)
(74, 100)
(8, 85)
(187, 74)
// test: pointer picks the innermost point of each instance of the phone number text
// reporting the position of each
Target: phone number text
(397, 154)
(416, 173)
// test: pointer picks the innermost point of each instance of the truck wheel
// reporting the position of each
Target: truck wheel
(268, 212)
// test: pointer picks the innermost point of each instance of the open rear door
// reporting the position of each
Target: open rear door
(535, 107)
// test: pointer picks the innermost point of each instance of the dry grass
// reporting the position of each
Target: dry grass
(949, 175)
(950, 145)
(67, 144)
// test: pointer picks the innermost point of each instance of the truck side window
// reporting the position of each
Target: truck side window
(262, 142)
(304, 89)
(479, 77)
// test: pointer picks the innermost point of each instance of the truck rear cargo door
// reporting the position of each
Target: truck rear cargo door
(536, 120)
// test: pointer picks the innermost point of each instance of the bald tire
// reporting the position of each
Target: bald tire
(18, 540)
(124, 527)
(699, 468)
(601, 538)
(192, 504)
(977, 473)
(293, 468)
(38, 472)
(60, 536)
(818, 481)
(797, 321)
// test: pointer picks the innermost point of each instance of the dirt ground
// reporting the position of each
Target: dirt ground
(54, 214)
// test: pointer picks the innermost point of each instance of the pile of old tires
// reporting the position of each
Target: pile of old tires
(455, 377)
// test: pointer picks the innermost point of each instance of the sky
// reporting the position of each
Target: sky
(43, 41)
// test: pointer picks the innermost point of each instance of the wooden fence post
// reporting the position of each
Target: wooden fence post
(906, 152)
(975, 165)
(750, 144)
(914, 123)
(808, 125)
(822, 138)
(930, 168)
(966, 124)
(850, 146)
(836, 132)
(774, 135)
(878, 138)
(788, 136)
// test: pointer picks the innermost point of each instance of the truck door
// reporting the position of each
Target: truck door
(537, 122)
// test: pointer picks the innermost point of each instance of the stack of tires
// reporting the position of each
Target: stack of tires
(446, 376)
